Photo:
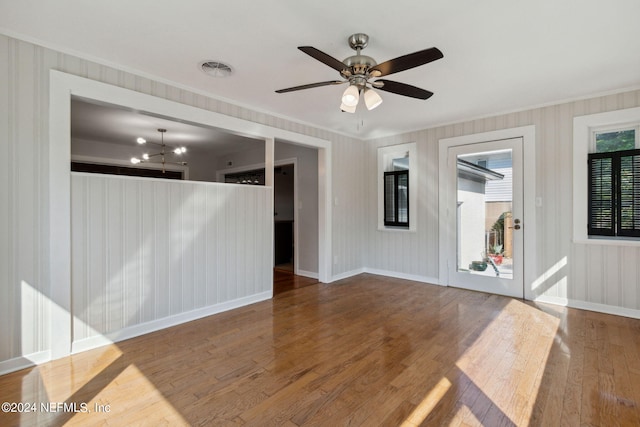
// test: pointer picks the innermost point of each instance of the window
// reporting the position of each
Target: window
(397, 187)
(614, 184)
(589, 136)
(396, 198)
(124, 170)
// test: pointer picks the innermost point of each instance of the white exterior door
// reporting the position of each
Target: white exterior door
(484, 196)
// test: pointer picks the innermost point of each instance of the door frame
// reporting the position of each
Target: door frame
(513, 286)
(62, 87)
(296, 201)
(447, 235)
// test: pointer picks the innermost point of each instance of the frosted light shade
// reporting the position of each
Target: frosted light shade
(371, 99)
(351, 96)
(135, 160)
(347, 108)
(141, 140)
(145, 156)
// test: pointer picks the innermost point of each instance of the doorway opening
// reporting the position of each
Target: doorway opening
(284, 218)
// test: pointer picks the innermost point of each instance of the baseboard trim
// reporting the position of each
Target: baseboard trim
(166, 322)
(23, 362)
(309, 274)
(346, 275)
(405, 276)
(590, 306)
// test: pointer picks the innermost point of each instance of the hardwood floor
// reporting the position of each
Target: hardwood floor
(364, 351)
(285, 280)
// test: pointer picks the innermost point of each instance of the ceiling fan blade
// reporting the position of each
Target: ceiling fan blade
(406, 62)
(311, 85)
(323, 57)
(402, 89)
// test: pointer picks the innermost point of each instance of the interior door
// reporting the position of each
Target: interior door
(486, 211)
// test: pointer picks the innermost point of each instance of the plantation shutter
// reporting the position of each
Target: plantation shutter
(614, 193)
(601, 195)
(629, 194)
(396, 198)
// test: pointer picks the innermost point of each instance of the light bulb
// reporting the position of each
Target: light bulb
(351, 96)
(177, 151)
(371, 99)
(183, 149)
(145, 156)
(135, 160)
(141, 140)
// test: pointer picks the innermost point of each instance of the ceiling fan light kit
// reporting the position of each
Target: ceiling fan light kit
(358, 70)
(146, 157)
(351, 96)
(371, 99)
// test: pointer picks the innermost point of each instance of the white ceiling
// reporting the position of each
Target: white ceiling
(499, 55)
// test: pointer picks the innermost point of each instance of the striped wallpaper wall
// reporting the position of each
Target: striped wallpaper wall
(25, 311)
(147, 249)
(591, 276)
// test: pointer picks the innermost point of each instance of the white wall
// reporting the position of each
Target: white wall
(25, 288)
(593, 276)
(307, 180)
(471, 219)
(147, 250)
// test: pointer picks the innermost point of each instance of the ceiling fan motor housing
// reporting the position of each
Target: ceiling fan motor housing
(358, 65)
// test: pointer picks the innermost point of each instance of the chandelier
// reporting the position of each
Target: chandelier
(161, 156)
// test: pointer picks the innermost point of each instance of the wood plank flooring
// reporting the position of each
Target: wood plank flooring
(285, 280)
(365, 351)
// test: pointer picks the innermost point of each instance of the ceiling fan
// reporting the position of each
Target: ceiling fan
(359, 70)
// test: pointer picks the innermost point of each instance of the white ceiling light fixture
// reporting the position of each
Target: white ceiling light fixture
(161, 155)
(348, 109)
(371, 99)
(351, 96)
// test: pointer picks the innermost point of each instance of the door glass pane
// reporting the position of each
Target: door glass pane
(484, 220)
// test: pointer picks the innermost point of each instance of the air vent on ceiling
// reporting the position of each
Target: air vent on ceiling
(216, 69)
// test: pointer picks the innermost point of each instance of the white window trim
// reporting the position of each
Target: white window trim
(394, 151)
(584, 128)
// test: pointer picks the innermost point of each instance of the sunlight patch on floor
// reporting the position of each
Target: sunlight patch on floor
(64, 377)
(422, 411)
(130, 399)
(504, 364)
(516, 358)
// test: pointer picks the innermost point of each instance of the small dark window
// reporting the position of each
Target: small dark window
(124, 170)
(396, 198)
(614, 193)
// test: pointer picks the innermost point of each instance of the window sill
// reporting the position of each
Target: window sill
(397, 229)
(608, 241)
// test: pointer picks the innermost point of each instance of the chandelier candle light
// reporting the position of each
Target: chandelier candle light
(164, 151)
